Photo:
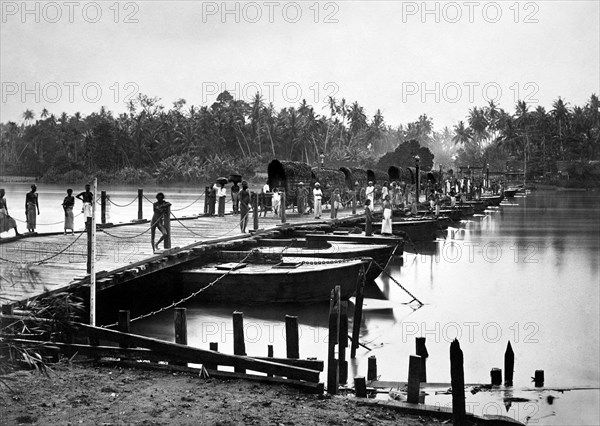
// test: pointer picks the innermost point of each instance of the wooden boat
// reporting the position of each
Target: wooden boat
(510, 193)
(321, 247)
(478, 206)
(453, 214)
(493, 200)
(279, 280)
(416, 229)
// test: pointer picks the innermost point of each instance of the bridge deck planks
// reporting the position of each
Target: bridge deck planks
(116, 247)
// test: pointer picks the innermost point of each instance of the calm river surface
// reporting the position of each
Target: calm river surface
(527, 272)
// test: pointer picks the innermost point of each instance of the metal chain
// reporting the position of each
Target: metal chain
(397, 283)
(189, 205)
(185, 299)
(47, 224)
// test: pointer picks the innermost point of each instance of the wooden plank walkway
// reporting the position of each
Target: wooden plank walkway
(49, 262)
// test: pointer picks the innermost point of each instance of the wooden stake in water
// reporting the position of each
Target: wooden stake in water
(334, 326)
(343, 342)
(509, 365)
(421, 350)
(360, 387)
(93, 259)
(239, 345)
(360, 285)
(496, 376)
(457, 376)
(372, 368)
(291, 337)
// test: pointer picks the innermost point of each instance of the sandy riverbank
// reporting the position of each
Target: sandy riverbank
(76, 394)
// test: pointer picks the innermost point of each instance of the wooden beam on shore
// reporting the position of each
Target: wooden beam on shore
(196, 355)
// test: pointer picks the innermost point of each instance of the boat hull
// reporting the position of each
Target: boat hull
(258, 284)
(414, 229)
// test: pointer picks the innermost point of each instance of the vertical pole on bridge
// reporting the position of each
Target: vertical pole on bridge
(92, 257)
(255, 208)
(282, 204)
(168, 227)
(140, 204)
(103, 207)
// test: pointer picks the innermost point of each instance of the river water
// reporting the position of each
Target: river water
(526, 272)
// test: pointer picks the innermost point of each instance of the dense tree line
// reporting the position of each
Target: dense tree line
(189, 143)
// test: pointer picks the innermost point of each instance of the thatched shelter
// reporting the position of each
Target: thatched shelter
(348, 176)
(286, 175)
(329, 179)
(360, 176)
(377, 176)
(398, 174)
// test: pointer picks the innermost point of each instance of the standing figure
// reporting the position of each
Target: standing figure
(235, 197)
(370, 193)
(68, 204)
(244, 206)
(276, 201)
(336, 201)
(6, 222)
(31, 205)
(212, 199)
(160, 208)
(221, 195)
(385, 191)
(368, 218)
(301, 195)
(88, 198)
(386, 224)
(318, 195)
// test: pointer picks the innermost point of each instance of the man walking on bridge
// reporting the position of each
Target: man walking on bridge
(161, 208)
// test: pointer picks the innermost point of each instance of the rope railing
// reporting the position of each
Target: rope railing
(39, 262)
(122, 205)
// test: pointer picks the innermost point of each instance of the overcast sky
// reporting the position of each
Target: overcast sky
(405, 58)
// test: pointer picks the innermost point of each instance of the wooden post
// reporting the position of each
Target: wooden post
(239, 346)
(509, 365)
(457, 380)
(496, 376)
(282, 205)
(124, 325)
(255, 209)
(140, 204)
(360, 286)
(372, 368)
(167, 217)
(354, 201)
(291, 337)
(270, 355)
(539, 378)
(414, 379)
(343, 342)
(103, 207)
(360, 387)
(334, 326)
(206, 199)
(180, 326)
(213, 346)
(88, 229)
(421, 350)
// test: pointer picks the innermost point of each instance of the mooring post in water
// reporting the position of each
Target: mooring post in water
(140, 204)
(414, 379)
(457, 381)
(282, 205)
(206, 199)
(239, 346)
(360, 387)
(291, 337)
(538, 378)
(103, 207)
(360, 285)
(255, 209)
(421, 350)
(509, 365)
(496, 376)
(270, 355)
(334, 326)
(372, 368)
(167, 224)
(124, 324)
(88, 229)
(343, 343)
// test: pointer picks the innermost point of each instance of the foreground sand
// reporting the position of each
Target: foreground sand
(76, 394)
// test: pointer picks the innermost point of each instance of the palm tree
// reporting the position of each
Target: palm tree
(462, 134)
(28, 116)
